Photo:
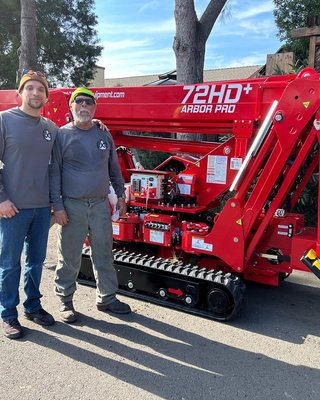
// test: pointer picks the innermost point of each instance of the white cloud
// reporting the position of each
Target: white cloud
(249, 23)
(150, 5)
(254, 59)
(261, 29)
(214, 61)
(165, 26)
(137, 62)
(255, 10)
(125, 44)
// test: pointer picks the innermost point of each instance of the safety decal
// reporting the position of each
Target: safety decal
(200, 244)
(235, 163)
(217, 169)
(116, 228)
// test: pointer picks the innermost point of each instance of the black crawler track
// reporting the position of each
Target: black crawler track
(212, 294)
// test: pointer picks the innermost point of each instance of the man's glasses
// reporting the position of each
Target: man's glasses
(88, 100)
(30, 72)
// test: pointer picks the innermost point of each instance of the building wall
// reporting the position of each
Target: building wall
(98, 80)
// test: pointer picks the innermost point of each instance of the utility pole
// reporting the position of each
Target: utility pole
(312, 31)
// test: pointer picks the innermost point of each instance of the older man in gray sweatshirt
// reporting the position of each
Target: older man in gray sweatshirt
(84, 163)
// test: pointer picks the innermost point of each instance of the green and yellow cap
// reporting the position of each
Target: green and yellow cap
(84, 91)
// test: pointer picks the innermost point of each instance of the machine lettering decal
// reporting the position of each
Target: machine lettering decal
(110, 94)
(213, 98)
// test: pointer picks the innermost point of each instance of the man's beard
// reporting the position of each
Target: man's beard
(83, 116)
(35, 105)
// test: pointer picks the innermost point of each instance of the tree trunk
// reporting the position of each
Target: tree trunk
(190, 43)
(189, 56)
(28, 49)
(191, 36)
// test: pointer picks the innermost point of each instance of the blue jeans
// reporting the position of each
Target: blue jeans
(29, 228)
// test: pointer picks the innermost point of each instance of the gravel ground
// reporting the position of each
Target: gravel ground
(270, 351)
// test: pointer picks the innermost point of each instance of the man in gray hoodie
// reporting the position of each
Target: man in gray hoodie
(26, 141)
(84, 162)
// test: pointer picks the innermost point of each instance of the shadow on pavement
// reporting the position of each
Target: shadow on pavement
(173, 360)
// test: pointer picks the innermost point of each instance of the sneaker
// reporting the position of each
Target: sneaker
(67, 313)
(116, 307)
(12, 329)
(40, 317)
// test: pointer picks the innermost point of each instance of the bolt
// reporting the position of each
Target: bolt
(278, 117)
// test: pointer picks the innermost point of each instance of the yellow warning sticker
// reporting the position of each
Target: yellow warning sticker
(306, 104)
(317, 264)
(239, 222)
(311, 254)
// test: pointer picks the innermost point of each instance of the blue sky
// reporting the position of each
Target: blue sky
(137, 35)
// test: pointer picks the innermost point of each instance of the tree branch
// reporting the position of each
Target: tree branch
(210, 16)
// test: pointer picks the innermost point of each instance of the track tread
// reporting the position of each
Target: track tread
(230, 283)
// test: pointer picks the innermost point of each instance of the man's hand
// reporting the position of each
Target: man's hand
(8, 209)
(100, 124)
(61, 217)
(122, 207)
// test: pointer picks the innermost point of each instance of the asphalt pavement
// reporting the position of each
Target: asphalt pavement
(270, 351)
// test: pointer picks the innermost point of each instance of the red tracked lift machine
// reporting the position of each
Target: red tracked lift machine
(213, 214)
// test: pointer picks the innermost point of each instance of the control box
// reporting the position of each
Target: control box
(159, 228)
(147, 185)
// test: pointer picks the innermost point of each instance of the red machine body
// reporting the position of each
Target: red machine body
(226, 205)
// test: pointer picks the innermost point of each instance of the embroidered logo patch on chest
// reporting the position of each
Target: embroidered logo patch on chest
(102, 145)
(47, 135)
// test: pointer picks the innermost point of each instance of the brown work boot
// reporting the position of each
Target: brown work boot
(40, 317)
(68, 313)
(12, 329)
(116, 307)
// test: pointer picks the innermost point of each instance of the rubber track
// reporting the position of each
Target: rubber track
(227, 282)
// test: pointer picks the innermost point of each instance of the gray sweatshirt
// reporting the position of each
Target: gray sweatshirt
(84, 162)
(25, 148)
